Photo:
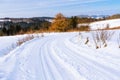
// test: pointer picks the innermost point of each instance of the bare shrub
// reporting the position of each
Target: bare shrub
(42, 35)
(79, 33)
(84, 28)
(100, 38)
(87, 40)
(27, 38)
(37, 36)
(80, 37)
(96, 41)
(118, 40)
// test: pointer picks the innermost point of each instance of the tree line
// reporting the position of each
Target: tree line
(60, 23)
(23, 27)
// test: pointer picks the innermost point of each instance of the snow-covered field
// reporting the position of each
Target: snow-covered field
(59, 56)
(104, 24)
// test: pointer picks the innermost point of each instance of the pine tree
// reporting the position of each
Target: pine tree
(74, 22)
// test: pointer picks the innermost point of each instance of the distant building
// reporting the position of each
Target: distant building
(82, 25)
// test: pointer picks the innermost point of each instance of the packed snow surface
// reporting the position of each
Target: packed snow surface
(105, 24)
(60, 56)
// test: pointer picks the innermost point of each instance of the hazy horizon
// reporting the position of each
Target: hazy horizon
(40, 8)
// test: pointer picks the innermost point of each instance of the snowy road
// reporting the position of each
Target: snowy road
(57, 57)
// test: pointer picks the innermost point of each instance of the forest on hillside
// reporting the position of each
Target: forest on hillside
(59, 23)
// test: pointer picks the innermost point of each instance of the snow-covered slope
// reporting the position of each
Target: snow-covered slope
(104, 24)
(61, 56)
(7, 44)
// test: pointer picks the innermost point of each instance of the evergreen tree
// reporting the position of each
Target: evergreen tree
(4, 30)
(18, 28)
(74, 22)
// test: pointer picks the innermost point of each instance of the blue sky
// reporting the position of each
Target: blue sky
(38, 8)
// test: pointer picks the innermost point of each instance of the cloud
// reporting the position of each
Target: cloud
(62, 3)
(50, 7)
(13, 5)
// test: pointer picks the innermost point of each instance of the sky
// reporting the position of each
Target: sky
(39, 8)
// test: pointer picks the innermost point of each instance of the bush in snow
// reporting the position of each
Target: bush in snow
(84, 28)
(118, 40)
(100, 38)
(42, 35)
(27, 38)
(80, 37)
(87, 40)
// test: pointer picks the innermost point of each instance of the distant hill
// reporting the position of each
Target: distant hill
(115, 16)
(27, 20)
(93, 16)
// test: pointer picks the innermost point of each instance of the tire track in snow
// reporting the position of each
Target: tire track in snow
(86, 56)
(97, 69)
(54, 58)
(36, 61)
(57, 71)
